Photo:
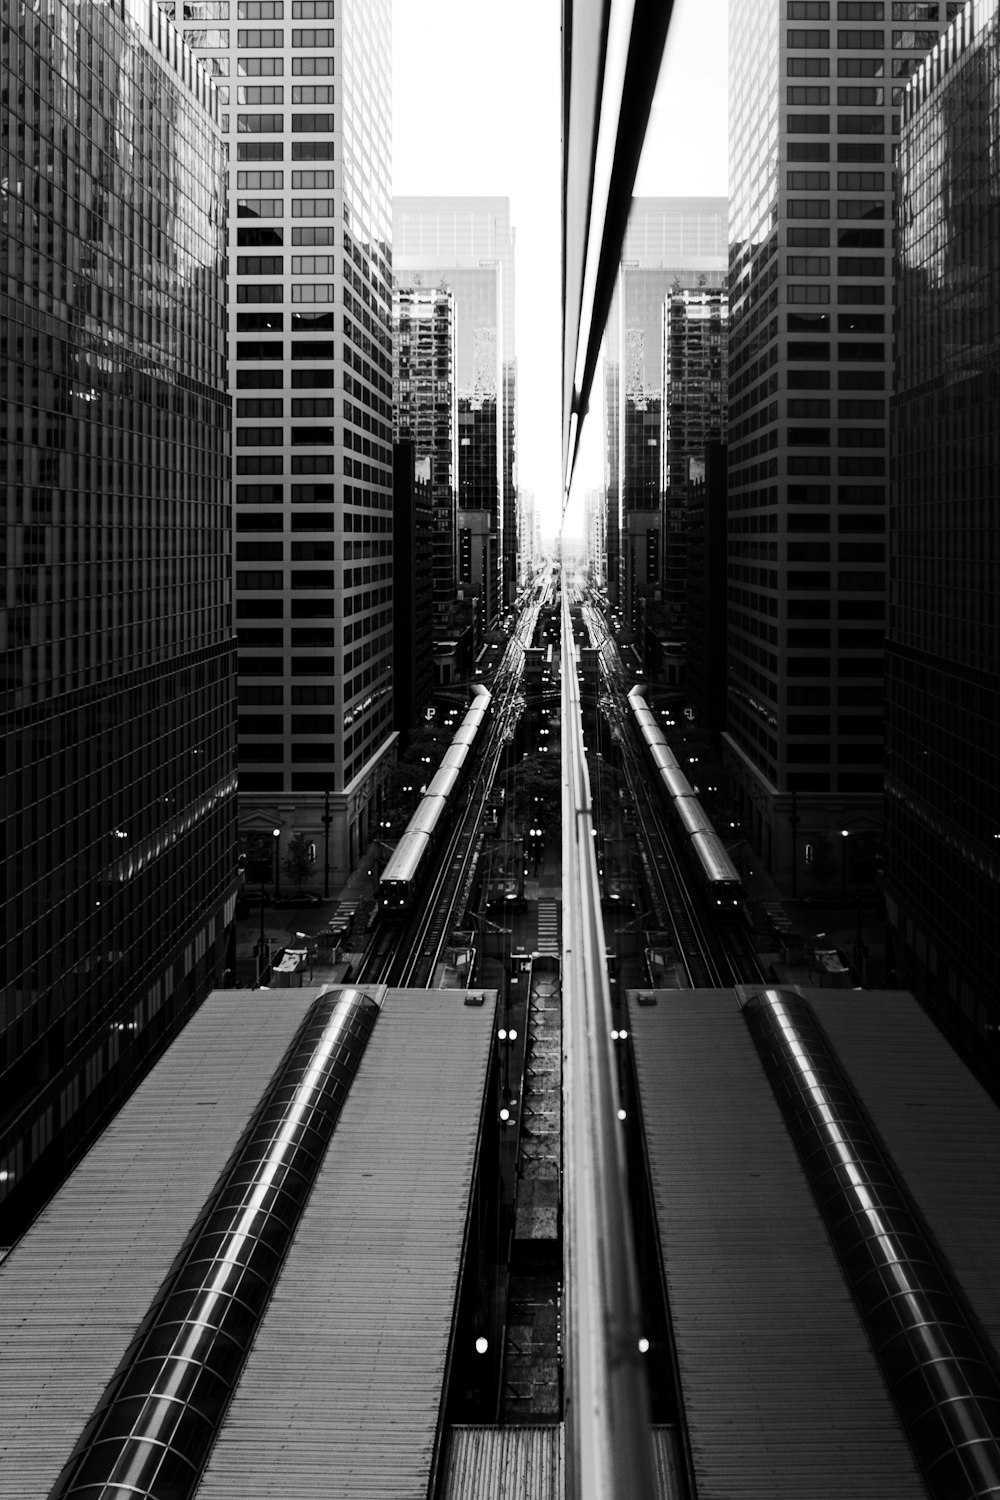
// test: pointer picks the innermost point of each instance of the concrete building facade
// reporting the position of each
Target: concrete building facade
(307, 115)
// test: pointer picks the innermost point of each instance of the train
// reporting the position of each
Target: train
(406, 868)
(716, 873)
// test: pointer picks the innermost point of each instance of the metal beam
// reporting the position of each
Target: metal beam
(611, 60)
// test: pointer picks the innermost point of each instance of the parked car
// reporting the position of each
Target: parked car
(299, 899)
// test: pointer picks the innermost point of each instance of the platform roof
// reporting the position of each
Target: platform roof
(780, 1389)
(343, 1385)
(74, 1290)
(342, 1391)
(940, 1127)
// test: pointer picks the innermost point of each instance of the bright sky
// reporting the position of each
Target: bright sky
(476, 110)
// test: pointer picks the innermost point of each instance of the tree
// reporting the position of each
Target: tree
(298, 859)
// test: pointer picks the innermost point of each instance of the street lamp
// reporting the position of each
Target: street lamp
(845, 834)
(276, 834)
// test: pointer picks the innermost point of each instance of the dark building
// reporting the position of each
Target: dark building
(705, 667)
(413, 514)
(118, 652)
(669, 243)
(815, 92)
(695, 402)
(424, 413)
(942, 870)
(466, 246)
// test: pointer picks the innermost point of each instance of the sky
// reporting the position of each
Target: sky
(476, 110)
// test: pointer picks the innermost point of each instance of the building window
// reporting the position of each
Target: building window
(269, 93)
(259, 265)
(254, 236)
(317, 291)
(314, 150)
(260, 406)
(312, 93)
(312, 124)
(210, 37)
(312, 67)
(859, 41)
(260, 151)
(259, 208)
(260, 292)
(312, 208)
(312, 38)
(806, 94)
(260, 322)
(260, 67)
(314, 234)
(260, 10)
(798, 38)
(260, 38)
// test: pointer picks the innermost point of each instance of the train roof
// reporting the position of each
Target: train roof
(663, 757)
(428, 815)
(454, 757)
(676, 782)
(714, 859)
(443, 782)
(405, 858)
(692, 815)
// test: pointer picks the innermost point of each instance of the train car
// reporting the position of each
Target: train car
(407, 866)
(716, 872)
(507, 872)
(720, 876)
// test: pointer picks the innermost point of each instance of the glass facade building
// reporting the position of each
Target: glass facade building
(670, 243)
(942, 870)
(119, 774)
(815, 94)
(307, 119)
(466, 246)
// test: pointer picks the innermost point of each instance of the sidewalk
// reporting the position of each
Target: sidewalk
(852, 927)
(304, 927)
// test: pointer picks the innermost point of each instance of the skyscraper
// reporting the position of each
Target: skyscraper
(695, 403)
(466, 245)
(942, 870)
(118, 654)
(425, 413)
(815, 94)
(308, 125)
(670, 243)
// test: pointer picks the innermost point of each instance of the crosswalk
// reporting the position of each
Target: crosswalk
(548, 926)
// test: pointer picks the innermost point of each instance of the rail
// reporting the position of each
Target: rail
(608, 1453)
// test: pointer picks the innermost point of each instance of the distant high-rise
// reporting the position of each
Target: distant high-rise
(815, 94)
(942, 869)
(308, 122)
(466, 245)
(413, 585)
(670, 243)
(425, 413)
(695, 407)
(118, 651)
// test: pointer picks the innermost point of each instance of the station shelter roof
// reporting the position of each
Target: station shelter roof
(343, 1386)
